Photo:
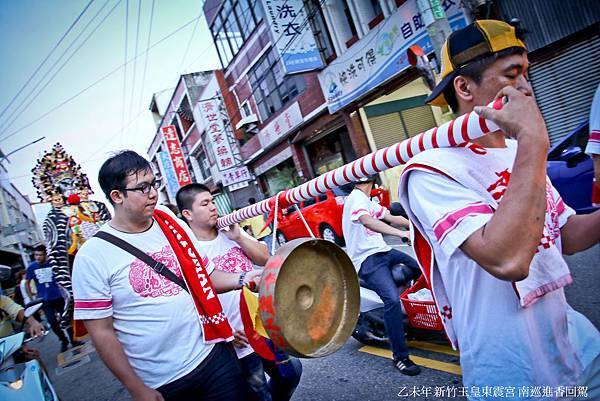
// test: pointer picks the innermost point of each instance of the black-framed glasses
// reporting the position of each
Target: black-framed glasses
(145, 187)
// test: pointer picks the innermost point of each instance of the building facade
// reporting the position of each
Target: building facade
(18, 228)
(194, 142)
(563, 40)
(356, 90)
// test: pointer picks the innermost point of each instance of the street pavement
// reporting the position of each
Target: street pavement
(355, 372)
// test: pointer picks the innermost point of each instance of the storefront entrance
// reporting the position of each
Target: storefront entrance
(330, 151)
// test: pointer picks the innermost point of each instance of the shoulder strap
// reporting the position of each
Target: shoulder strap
(158, 267)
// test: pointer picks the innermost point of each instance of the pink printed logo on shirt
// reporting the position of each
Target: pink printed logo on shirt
(148, 283)
(551, 226)
(498, 188)
(234, 261)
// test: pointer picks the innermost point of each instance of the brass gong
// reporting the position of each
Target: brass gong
(309, 297)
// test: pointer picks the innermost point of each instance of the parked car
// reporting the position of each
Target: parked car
(571, 170)
(323, 215)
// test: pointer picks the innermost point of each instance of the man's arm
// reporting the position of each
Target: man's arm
(380, 227)
(580, 232)
(255, 250)
(396, 220)
(34, 328)
(111, 352)
(596, 159)
(224, 281)
(28, 289)
(505, 246)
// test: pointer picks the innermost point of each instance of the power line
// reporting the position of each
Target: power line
(125, 62)
(14, 117)
(46, 58)
(137, 35)
(187, 48)
(99, 80)
(141, 97)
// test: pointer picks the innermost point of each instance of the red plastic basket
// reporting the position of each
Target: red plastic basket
(421, 314)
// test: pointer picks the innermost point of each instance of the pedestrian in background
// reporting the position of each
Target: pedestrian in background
(40, 272)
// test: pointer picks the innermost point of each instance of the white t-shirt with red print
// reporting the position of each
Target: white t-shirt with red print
(593, 145)
(361, 242)
(501, 342)
(154, 319)
(226, 255)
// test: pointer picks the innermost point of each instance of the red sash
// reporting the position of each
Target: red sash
(214, 322)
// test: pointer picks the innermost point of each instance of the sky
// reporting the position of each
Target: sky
(112, 114)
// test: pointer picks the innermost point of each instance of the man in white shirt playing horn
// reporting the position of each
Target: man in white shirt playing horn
(491, 230)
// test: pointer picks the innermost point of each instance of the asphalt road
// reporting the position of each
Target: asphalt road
(349, 374)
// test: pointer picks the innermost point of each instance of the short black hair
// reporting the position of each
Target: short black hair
(475, 70)
(186, 195)
(39, 248)
(117, 168)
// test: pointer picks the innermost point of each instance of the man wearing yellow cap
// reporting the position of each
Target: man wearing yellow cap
(491, 230)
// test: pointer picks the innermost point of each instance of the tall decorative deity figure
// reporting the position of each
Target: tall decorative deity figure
(73, 219)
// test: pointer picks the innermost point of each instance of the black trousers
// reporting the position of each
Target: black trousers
(51, 309)
(218, 377)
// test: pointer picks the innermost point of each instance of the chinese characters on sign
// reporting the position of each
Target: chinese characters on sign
(217, 134)
(235, 176)
(292, 35)
(168, 174)
(281, 125)
(177, 158)
(381, 54)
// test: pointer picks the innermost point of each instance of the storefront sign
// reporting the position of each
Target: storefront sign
(168, 173)
(273, 161)
(292, 36)
(281, 125)
(217, 133)
(241, 185)
(174, 147)
(381, 54)
(235, 175)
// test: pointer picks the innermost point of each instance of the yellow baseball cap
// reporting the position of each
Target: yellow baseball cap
(475, 41)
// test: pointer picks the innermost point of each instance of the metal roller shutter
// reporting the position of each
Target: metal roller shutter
(391, 128)
(565, 84)
(387, 129)
(418, 119)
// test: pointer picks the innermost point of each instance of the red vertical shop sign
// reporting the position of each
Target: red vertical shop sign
(174, 148)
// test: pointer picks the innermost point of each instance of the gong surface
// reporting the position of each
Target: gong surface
(309, 297)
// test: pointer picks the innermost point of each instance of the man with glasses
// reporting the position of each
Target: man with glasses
(160, 341)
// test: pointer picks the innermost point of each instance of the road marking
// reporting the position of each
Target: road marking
(442, 349)
(425, 362)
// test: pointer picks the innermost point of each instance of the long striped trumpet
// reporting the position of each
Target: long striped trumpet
(451, 134)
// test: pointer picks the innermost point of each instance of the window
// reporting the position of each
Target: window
(272, 89)
(350, 20)
(233, 25)
(319, 28)
(376, 7)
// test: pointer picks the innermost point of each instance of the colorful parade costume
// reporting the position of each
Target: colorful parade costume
(72, 220)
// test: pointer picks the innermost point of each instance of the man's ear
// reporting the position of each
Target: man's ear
(116, 196)
(463, 88)
(187, 214)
